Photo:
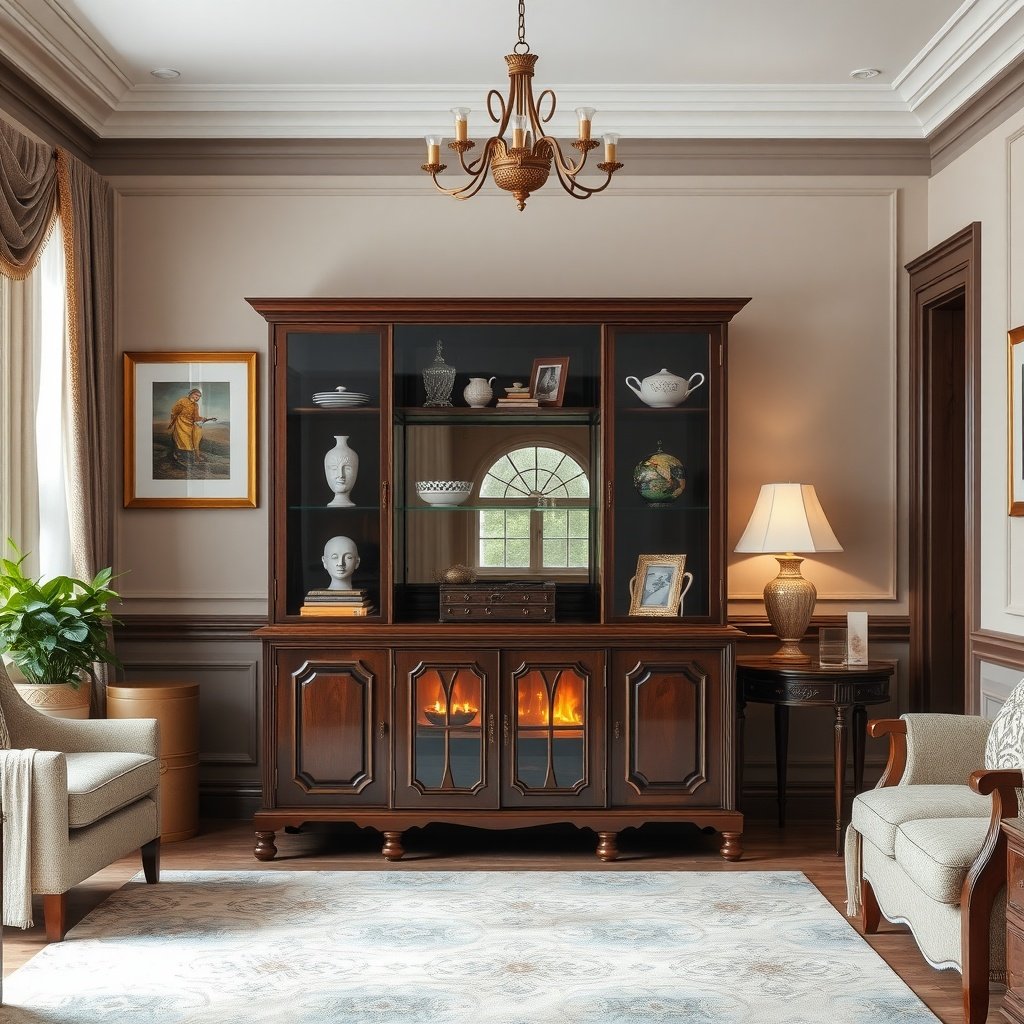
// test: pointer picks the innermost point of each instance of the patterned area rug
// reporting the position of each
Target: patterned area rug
(473, 947)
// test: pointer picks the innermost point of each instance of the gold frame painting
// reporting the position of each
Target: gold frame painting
(1015, 421)
(650, 592)
(190, 430)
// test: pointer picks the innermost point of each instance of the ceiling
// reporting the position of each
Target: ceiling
(655, 69)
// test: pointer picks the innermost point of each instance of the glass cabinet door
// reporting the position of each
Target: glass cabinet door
(553, 728)
(328, 472)
(445, 706)
(663, 447)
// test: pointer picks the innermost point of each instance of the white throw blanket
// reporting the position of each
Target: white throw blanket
(16, 803)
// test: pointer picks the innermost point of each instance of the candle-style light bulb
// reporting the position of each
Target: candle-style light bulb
(520, 122)
(586, 116)
(611, 140)
(433, 148)
(461, 123)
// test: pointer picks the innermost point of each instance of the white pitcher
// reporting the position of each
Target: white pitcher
(477, 392)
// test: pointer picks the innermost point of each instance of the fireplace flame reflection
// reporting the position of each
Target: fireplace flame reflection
(536, 709)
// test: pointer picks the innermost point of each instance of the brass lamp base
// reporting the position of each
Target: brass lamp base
(789, 601)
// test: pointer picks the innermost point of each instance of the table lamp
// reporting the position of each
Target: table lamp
(788, 518)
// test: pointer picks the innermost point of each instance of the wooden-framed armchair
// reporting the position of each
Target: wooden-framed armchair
(925, 848)
(94, 798)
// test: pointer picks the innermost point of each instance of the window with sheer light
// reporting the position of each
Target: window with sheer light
(540, 525)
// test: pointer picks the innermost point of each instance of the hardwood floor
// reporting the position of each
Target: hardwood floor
(806, 847)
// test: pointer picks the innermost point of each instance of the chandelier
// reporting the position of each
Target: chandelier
(521, 166)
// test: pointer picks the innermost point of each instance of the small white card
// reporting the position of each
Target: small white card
(856, 638)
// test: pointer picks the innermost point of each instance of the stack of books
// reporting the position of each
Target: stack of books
(337, 603)
(518, 397)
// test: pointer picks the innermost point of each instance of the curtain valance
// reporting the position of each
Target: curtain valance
(28, 200)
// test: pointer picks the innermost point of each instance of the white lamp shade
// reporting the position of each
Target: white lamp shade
(787, 517)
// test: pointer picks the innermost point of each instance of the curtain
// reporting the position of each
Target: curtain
(35, 182)
(87, 215)
(19, 386)
(28, 200)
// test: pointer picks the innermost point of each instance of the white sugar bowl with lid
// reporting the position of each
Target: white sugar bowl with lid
(664, 389)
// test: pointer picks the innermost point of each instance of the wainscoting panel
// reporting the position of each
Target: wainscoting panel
(224, 659)
(998, 665)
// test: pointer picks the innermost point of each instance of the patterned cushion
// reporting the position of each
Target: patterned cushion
(100, 783)
(878, 813)
(1005, 745)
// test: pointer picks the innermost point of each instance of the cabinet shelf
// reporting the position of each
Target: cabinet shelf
(675, 410)
(494, 415)
(316, 410)
(496, 507)
(334, 508)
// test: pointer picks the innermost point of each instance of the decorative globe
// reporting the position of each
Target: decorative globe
(660, 478)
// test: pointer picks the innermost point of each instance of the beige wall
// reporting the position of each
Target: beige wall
(817, 359)
(986, 184)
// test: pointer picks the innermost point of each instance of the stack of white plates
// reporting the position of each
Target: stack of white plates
(340, 398)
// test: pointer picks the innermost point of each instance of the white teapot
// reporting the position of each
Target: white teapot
(663, 390)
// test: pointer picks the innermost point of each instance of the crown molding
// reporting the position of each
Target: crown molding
(402, 157)
(35, 112)
(980, 40)
(51, 50)
(1003, 96)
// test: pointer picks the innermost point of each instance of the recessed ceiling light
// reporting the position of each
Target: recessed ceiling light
(865, 73)
(167, 73)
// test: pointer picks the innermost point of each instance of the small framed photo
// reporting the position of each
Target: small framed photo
(190, 430)
(1015, 418)
(658, 585)
(856, 638)
(547, 382)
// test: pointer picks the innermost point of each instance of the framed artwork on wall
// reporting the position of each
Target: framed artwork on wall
(1015, 421)
(190, 430)
(547, 382)
(658, 586)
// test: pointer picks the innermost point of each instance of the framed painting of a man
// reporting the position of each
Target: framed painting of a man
(190, 429)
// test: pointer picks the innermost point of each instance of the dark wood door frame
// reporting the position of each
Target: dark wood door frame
(945, 276)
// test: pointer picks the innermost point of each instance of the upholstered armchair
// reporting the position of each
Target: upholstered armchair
(94, 798)
(925, 847)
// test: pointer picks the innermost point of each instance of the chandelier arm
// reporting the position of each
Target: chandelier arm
(577, 189)
(535, 107)
(502, 121)
(479, 176)
(564, 168)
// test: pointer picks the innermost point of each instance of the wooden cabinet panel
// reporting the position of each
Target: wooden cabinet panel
(667, 731)
(332, 709)
(553, 726)
(446, 727)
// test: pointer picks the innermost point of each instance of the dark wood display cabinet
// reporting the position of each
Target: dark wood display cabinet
(379, 713)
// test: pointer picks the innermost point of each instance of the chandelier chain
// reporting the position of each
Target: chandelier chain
(522, 30)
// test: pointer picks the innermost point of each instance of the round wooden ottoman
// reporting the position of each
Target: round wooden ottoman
(176, 708)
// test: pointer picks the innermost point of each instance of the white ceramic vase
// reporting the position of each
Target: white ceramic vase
(341, 467)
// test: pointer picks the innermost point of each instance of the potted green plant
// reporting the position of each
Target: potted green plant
(52, 633)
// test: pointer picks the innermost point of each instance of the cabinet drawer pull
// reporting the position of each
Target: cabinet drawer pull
(490, 730)
(382, 729)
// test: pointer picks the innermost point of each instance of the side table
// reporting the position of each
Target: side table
(1013, 1001)
(847, 689)
(176, 707)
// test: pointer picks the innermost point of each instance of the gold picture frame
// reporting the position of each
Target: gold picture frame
(657, 588)
(189, 429)
(1015, 421)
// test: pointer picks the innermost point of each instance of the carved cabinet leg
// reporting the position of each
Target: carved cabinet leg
(607, 846)
(265, 848)
(732, 847)
(393, 849)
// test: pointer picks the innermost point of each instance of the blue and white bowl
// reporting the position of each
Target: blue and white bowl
(444, 492)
